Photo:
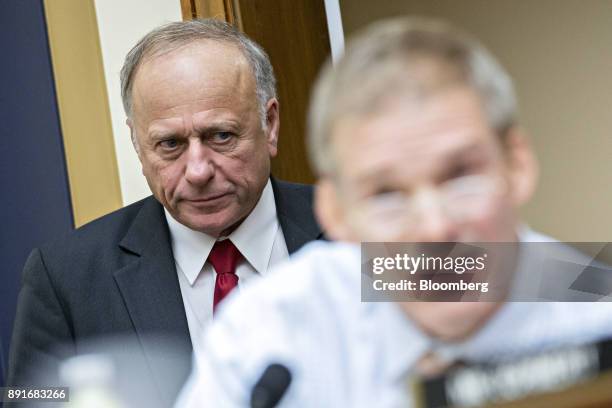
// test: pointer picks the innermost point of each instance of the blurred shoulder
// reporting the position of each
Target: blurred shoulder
(319, 266)
(321, 272)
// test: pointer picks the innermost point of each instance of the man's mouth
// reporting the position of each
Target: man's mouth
(207, 199)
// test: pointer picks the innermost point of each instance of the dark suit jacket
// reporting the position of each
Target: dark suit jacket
(117, 276)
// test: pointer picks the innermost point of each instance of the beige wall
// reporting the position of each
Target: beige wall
(560, 55)
(81, 97)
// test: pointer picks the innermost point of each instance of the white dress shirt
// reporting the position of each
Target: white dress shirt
(259, 239)
(342, 352)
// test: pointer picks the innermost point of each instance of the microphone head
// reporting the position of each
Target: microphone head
(271, 386)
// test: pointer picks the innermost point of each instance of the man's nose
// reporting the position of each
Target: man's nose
(200, 167)
(433, 223)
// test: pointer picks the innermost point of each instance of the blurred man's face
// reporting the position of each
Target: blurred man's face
(428, 170)
(199, 135)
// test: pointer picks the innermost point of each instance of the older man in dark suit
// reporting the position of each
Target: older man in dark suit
(201, 106)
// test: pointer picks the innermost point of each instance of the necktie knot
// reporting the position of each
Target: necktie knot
(224, 257)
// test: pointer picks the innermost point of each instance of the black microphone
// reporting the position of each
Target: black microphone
(271, 386)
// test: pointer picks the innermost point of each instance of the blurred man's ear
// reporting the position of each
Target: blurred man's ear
(329, 210)
(522, 165)
(273, 125)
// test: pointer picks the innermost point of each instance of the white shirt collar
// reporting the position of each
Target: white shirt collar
(254, 237)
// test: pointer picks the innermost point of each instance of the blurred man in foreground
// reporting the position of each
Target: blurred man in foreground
(414, 136)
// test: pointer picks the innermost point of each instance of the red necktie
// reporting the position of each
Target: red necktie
(224, 257)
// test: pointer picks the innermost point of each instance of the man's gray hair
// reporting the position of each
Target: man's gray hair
(171, 36)
(400, 57)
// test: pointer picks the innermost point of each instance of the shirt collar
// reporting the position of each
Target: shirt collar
(190, 248)
(254, 238)
(403, 340)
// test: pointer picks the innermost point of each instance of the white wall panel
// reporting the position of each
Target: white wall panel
(121, 23)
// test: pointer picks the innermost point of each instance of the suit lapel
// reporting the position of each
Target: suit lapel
(150, 288)
(295, 215)
(149, 284)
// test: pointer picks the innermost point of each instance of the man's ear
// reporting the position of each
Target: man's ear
(522, 165)
(329, 210)
(272, 125)
(130, 124)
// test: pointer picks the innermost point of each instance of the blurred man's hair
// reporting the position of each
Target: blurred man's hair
(404, 57)
(172, 36)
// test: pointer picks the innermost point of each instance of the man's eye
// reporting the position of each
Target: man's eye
(385, 192)
(168, 144)
(388, 203)
(459, 171)
(222, 136)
